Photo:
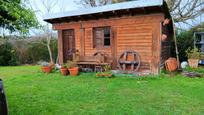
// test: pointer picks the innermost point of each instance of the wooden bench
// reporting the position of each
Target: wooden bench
(96, 61)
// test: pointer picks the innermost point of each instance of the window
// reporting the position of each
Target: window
(101, 37)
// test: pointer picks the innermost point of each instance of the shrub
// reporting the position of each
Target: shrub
(184, 41)
(72, 64)
(36, 52)
(8, 55)
(193, 53)
(25, 51)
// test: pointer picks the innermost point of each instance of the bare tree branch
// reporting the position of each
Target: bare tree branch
(181, 10)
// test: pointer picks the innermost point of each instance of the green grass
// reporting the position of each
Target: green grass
(31, 92)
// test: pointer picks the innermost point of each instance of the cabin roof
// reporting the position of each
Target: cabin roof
(104, 9)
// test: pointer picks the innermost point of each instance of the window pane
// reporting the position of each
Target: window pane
(106, 32)
(99, 34)
(98, 37)
(106, 36)
(107, 42)
(99, 42)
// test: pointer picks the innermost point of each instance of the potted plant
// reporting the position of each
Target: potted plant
(107, 73)
(52, 65)
(193, 57)
(45, 66)
(64, 70)
(73, 68)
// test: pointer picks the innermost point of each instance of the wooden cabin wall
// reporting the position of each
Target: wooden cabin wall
(139, 33)
(137, 37)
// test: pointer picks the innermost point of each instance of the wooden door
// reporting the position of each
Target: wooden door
(68, 44)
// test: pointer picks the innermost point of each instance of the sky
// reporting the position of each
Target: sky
(57, 6)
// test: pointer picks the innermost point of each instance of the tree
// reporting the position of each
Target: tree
(181, 10)
(47, 8)
(15, 16)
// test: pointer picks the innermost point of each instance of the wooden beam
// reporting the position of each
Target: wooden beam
(60, 46)
(156, 48)
(82, 41)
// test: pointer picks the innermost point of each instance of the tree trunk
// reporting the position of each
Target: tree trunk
(50, 53)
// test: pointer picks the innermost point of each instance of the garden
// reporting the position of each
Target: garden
(37, 79)
(30, 91)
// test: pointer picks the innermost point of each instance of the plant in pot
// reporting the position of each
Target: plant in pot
(64, 70)
(107, 73)
(73, 68)
(193, 57)
(45, 66)
(52, 65)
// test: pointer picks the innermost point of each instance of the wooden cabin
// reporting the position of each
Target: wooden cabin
(117, 30)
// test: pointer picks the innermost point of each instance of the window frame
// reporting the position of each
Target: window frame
(103, 37)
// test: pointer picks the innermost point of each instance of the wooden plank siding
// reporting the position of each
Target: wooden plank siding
(137, 38)
(139, 33)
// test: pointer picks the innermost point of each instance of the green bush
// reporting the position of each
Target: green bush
(37, 52)
(184, 41)
(23, 51)
(8, 55)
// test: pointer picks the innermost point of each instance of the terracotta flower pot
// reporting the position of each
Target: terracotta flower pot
(64, 71)
(74, 71)
(171, 64)
(46, 69)
(193, 63)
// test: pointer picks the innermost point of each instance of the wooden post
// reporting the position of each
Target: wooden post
(156, 48)
(60, 46)
(82, 41)
(114, 47)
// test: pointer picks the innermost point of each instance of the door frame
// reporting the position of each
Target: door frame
(63, 42)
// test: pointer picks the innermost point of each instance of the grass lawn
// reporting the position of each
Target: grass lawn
(31, 92)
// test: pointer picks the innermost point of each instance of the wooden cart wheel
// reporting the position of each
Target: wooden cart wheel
(129, 58)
